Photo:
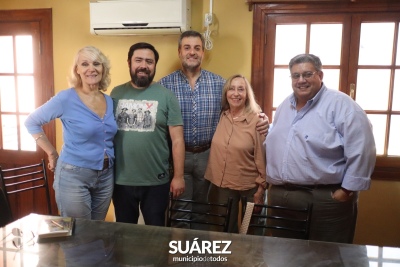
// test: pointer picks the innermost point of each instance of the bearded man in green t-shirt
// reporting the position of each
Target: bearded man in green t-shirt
(142, 152)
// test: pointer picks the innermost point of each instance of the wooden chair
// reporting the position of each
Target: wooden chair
(20, 179)
(5, 211)
(211, 218)
(277, 219)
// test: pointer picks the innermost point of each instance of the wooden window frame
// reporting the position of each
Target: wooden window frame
(387, 167)
(44, 18)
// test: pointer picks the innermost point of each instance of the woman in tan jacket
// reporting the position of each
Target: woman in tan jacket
(236, 165)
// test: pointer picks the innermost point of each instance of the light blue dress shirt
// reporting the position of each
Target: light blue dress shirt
(328, 141)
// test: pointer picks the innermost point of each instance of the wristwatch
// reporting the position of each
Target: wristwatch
(349, 193)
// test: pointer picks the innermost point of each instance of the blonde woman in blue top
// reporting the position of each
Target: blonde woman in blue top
(84, 178)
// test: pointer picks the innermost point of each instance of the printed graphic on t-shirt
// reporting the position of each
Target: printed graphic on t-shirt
(136, 115)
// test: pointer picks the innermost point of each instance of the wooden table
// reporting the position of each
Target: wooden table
(97, 243)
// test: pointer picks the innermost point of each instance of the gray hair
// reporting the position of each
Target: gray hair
(306, 58)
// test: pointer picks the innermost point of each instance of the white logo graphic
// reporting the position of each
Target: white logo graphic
(197, 247)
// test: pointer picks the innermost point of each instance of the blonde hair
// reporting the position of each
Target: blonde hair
(251, 105)
(94, 54)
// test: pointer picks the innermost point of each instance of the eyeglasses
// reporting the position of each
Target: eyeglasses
(305, 75)
(18, 240)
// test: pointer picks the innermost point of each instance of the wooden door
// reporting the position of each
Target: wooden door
(26, 82)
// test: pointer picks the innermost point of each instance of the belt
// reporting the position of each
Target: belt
(106, 163)
(197, 149)
(292, 187)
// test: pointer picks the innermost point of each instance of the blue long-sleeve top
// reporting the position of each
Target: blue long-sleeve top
(87, 137)
(328, 141)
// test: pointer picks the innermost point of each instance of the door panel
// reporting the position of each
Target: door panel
(26, 82)
(375, 73)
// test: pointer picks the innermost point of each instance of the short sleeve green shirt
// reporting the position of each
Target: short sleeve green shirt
(141, 143)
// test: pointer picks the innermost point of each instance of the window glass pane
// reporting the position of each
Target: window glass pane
(394, 140)
(391, 253)
(290, 41)
(26, 95)
(326, 42)
(9, 132)
(398, 50)
(7, 94)
(372, 89)
(396, 91)
(27, 142)
(372, 251)
(282, 86)
(24, 54)
(331, 78)
(379, 130)
(376, 43)
(6, 54)
(273, 115)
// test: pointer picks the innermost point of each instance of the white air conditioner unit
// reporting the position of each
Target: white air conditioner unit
(139, 17)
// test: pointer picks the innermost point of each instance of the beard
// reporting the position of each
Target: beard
(142, 81)
(191, 67)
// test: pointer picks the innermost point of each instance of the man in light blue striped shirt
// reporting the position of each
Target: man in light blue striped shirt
(320, 151)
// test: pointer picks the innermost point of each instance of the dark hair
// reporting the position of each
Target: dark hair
(142, 45)
(191, 34)
(306, 58)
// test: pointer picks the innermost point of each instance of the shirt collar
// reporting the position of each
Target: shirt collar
(248, 117)
(184, 76)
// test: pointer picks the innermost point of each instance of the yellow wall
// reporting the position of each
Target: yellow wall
(379, 216)
(231, 51)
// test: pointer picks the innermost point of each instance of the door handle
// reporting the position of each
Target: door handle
(352, 90)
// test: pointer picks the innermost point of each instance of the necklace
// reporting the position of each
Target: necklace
(241, 115)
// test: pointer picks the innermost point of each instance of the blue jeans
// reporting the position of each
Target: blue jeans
(152, 200)
(196, 187)
(81, 192)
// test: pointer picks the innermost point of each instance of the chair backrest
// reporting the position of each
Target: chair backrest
(19, 179)
(279, 218)
(5, 211)
(206, 209)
